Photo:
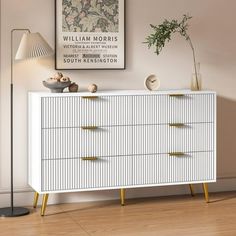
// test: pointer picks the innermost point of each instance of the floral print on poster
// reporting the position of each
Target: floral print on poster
(90, 15)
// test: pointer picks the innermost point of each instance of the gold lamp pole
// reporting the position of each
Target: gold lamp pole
(32, 45)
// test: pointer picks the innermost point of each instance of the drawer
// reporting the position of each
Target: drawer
(162, 109)
(71, 174)
(60, 112)
(86, 142)
(164, 169)
(152, 139)
(159, 169)
(126, 140)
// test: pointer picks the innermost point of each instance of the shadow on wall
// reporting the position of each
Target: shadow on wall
(226, 140)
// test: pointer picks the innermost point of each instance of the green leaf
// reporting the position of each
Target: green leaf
(162, 33)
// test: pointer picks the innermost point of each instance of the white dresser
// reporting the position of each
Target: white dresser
(120, 140)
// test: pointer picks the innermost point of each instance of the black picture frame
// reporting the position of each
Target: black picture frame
(80, 34)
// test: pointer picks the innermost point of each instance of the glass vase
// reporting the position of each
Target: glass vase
(196, 79)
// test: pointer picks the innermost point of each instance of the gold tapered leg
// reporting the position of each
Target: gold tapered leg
(205, 188)
(122, 197)
(36, 197)
(44, 204)
(191, 190)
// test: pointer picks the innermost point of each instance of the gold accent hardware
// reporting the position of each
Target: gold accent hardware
(176, 154)
(122, 197)
(44, 204)
(90, 97)
(89, 158)
(36, 197)
(177, 125)
(191, 190)
(177, 95)
(89, 127)
(205, 188)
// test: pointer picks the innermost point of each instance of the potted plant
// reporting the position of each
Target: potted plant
(162, 34)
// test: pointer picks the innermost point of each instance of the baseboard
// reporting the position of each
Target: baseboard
(24, 196)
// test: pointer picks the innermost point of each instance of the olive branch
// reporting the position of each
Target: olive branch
(163, 32)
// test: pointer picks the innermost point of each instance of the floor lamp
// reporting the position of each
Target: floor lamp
(32, 45)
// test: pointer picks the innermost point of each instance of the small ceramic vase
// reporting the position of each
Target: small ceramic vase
(92, 88)
(73, 88)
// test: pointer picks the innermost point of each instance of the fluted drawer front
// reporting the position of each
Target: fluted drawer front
(71, 174)
(126, 110)
(60, 112)
(152, 139)
(126, 140)
(83, 142)
(165, 169)
(159, 109)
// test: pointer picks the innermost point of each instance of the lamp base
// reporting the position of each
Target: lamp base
(13, 212)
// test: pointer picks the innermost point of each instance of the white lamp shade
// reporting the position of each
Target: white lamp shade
(33, 45)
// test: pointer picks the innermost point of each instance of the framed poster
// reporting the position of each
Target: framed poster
(90, 34)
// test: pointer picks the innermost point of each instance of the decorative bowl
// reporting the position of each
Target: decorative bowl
(57, 87)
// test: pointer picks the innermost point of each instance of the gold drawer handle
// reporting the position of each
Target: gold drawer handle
(90, 97)
(176, 154)
(89, 158)
(177, 125)
(89, 127)
(177, 95)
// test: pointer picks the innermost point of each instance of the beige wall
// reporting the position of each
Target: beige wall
(213, 32)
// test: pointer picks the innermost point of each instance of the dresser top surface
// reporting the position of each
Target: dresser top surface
(119, 93)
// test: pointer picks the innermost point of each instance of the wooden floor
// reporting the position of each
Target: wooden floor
(151, 216)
